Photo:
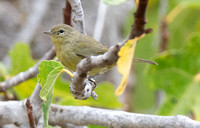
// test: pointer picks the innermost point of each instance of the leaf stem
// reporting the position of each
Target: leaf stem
(68, 72)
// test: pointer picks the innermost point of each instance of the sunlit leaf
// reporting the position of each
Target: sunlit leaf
(124, 62)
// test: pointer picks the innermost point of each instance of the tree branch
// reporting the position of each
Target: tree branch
(115, 119)
(14, 112)
(67, 13)
(29, 111)
(59, 115)
(138, 27)
(30, 73)
(78, 15)
(81, 87)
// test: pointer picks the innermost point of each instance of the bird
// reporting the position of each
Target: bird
(72, 46)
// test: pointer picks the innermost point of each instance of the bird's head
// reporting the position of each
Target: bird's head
(60, 33)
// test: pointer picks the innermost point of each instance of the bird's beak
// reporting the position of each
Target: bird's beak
(48, 32)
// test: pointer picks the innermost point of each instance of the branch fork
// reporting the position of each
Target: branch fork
(82, 87)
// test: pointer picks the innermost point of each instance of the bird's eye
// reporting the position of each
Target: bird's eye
(61, 31)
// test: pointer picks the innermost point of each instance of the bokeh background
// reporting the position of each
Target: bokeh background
(170, 88)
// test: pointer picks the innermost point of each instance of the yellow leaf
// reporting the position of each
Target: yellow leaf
(137, 2)
(124, 62)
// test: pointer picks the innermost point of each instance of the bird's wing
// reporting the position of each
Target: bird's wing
(88, 46)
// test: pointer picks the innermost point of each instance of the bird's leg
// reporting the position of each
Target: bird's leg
(90, 79)
(88, 90)
(91, 82)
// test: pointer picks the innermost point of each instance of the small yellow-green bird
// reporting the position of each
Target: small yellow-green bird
(72, 46)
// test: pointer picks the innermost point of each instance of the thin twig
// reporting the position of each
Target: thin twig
(138, 27)
(164, 36)
(29, 110)
(67, 13)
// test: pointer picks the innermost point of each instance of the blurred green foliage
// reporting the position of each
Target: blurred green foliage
(178, 65)
(176, 76)
(21, 59)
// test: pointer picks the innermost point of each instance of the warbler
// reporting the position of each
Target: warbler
(72, 46)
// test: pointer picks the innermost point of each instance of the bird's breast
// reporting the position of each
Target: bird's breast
(68, 59)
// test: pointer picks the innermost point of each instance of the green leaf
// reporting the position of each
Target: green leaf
(21, 58)
(48, 73)
(114, 2)
(175, 76)
(45, 108)
(45, 67)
